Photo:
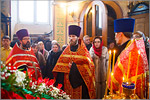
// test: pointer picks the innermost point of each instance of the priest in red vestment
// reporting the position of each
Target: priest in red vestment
(127, 59)
(22, 56)
(78, 68)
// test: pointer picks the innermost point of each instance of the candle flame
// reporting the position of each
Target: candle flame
(139, 52)
(112, 74)
(109, 51)
(132, 40)
(123, 79)
(114, 51)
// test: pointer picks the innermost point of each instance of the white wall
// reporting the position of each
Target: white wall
(13, 17)
(32, 28)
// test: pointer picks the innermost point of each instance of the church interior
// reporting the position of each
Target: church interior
(94, 16)
(49, 20)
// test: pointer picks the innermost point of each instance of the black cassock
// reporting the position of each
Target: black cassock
(76, 79)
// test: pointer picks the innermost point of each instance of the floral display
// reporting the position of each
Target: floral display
(18, 85)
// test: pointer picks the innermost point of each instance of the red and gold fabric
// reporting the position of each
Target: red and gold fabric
(121, 67)
(85, 66)
(19, 57)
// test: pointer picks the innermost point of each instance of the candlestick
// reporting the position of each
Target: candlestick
(128, 66)
(121, 90)
(148, 91)
(112, 70)
(113, 61)
(142, 86)
(137, 69)
(111, 90)
(108, 71)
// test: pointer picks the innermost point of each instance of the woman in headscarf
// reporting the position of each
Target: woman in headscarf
(42, 49)
(99, 54)
(51, 62)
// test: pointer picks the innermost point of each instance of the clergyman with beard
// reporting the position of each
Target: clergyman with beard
(78, 68)
(22, 56)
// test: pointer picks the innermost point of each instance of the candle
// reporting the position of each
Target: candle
(112, 70)
(137, 69)
(111, 90)
(121, 90)
(108, 71)
(128, 66)
(142, 86)
(113, 61)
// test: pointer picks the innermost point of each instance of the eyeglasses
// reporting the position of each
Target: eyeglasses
(26, 39)
(136, 36)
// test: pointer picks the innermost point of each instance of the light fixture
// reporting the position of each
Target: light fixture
(72, 9)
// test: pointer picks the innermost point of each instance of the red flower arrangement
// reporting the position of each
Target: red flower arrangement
(25, 87)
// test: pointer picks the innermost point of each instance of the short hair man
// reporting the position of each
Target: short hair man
(6, 49)
(22, 56)
(87, 42)
(76, 64)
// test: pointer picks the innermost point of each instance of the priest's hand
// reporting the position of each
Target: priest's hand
(70, 64)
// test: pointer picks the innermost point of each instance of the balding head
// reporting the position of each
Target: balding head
(86, 39)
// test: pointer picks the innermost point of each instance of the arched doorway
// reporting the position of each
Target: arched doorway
(114, 12)
(111, 17)
(110, 11)
(94, 20)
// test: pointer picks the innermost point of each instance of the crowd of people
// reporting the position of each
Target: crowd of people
(80, 66)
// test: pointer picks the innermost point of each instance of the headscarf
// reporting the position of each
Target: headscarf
(98, 51)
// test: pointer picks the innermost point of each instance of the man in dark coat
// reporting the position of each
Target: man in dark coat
(87, 42)
(51, 62)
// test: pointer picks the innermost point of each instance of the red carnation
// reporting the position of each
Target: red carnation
(51, 82)
(59, 86)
